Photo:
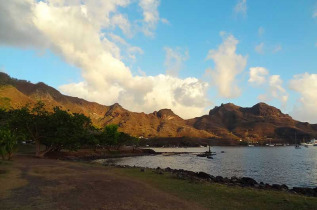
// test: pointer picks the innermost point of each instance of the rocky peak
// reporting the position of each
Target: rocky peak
(115, 110)
(116, 106)
(224, 108)
(263, 109)
(165, 114)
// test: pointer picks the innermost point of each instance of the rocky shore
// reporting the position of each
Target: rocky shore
(90, 155)
(233, 181)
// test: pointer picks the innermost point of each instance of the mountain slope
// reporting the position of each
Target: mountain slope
(228, 121)
(164, 123)
(258, 123)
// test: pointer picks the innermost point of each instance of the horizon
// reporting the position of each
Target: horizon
(149, 55)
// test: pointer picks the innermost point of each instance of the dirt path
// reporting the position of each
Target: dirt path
(54, 184)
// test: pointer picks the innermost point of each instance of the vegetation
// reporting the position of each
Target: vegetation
(55, 130)
(219, 196)
(8, 143)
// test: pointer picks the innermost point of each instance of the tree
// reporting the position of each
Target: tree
(123, 138)
(67, 131)
(8, 143)
(32, 123)
(109, 136)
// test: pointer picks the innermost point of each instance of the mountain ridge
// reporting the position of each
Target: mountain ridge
(228, 121)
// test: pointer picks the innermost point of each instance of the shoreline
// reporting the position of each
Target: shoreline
(233, 181)
(59, 184)
(189, 175)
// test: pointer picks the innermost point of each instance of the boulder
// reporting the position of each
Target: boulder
(247, 181)
(203, 175)
(219, 179)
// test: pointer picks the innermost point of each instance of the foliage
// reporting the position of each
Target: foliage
(8, 143)
(60, 129)
(67, 131)
(109, 136)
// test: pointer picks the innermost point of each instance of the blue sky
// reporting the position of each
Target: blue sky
(115, 51)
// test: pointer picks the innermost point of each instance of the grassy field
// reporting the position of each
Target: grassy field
(218, 196)
(31, 183)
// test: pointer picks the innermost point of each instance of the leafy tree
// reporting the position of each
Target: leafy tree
(8, 143)
(109, 136)
(123, 138)
(32, 123)
(67, 131)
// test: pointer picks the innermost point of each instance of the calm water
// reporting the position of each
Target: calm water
(274, 165)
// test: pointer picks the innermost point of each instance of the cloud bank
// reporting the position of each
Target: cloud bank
(81, 32)
(306, 108)
(174, 59)
(228, 65)
(273, 85)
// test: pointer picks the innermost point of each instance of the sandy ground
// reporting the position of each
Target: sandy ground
(54, 184)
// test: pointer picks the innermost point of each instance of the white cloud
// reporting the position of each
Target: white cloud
(82, 33)
(150, 15)
(277, 48)
(165, 21)
(123, 23)
(17, 28)
(306, 85)
(131, 51)
(261, 31)
(275, 90)
(272, 84)
(174, 60)
(228, 65)
(241, 7)
(259, 48)
(258, 75)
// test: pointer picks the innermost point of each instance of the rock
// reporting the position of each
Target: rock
(226, 180)
(247, 181)
(203, 175)
(284, 187)
(276, 187)
(219, 179)
(304, 191)
(168, 169)
(234, 180)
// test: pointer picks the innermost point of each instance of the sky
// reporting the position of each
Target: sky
(189, 56)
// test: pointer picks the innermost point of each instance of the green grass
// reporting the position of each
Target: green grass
(217, 196)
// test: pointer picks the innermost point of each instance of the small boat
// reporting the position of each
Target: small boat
(202, 155)
(210, 157)
(297, 146)
(312, 142)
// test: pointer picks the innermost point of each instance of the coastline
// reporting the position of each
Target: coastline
(181, 173)
(233, 181)
(29, 182)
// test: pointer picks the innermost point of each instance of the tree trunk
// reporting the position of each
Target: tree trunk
(37, 148)
(42, 153)
(10, 154)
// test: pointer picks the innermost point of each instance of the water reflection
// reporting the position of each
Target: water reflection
(274, 165)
